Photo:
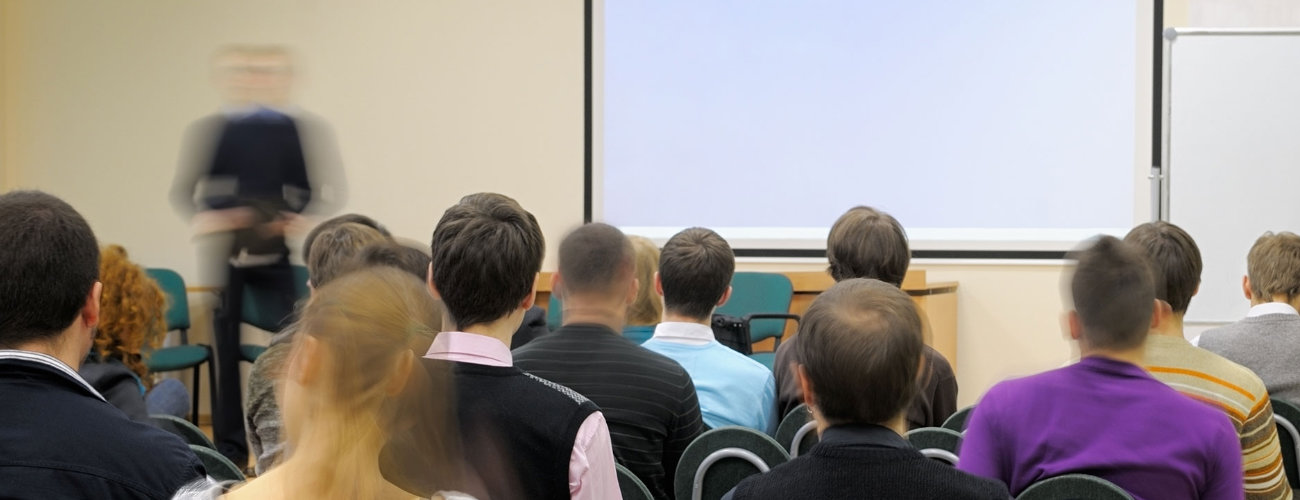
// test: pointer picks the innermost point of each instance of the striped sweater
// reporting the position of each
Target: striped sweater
(1237, 391)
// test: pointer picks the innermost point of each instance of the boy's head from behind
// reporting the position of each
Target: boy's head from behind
(868, 243)
(410, 259)
(1113, 294)
(860, 343)
(1174, 258)
(487, 251)
(597, 261)
(310, 239)
(1273, 268)
(695, 269)
(335, 248)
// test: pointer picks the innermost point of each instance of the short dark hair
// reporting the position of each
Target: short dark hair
(410, 259)
(487, 251)
(868, 243)
(342, 219)
(860, 343)
(1174, 258)
(695, 268)
(1113, 293)
(49, 265)
(336, 247)
(595, 257)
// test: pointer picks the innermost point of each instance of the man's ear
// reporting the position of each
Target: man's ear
(633, 291)
(532, 296)
(433, 288)
(1197, 289)
(725, 297)
(557, 285)
(659, 284)
(1075, 325)
(805, 385)
(1161, 313)
(90, 310)
(1245, 288)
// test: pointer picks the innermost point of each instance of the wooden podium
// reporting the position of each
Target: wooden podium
(937, 303)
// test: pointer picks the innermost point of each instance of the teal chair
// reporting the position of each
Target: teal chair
(957, 421)
(1074, 487)
(798, 432)
(936, 443)
(555, 318)
(185, 355)
(1287, 417)
(631, 486)
(763, 301)
(184, 429)
(718, 460)
(218, 466)
(257, 314)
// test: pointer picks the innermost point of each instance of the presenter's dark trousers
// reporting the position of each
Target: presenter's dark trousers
(275, 292)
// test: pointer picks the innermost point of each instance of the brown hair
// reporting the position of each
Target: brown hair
(1113, 293)
(860, 343)
(410, 259)
(1174, 258)
(132, 312)
(310, 239)
(695, 269)
(868, 243)
(487, 251)
(1273, 265)
(647, 309)
(595, 258)
(335, 248)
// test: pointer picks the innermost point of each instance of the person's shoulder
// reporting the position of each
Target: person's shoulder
(1234, 377)
(937, 364)
(948, 482)
(558, 391)
(739, 362)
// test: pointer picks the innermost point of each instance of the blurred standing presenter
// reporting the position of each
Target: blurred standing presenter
(247, 175)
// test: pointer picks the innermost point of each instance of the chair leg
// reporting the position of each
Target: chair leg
(212, 382)
(194, 397)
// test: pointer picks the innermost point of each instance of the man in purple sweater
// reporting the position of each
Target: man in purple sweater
(1105, 416)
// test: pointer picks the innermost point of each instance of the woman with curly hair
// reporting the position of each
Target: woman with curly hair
(132, 321)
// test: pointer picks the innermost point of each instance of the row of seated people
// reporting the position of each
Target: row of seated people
(465, 416)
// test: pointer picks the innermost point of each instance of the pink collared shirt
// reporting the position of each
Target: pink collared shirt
(591, 464)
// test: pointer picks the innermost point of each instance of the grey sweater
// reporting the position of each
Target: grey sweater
(1268, 345)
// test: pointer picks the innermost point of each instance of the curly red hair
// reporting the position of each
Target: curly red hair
(132, 312)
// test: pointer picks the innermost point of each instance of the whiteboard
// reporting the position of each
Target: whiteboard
(1231, 150)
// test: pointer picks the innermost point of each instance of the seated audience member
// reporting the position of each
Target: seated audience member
(1105, 415)
(648, 308)
(414, 261)
(131, 319)
(60, 438)
(333, 250)
(861, 351)
(1267, 340)
(694, 277)
(524, 437)
(868, 243)
(1176, 264)
(649, 399)
(315, 232)
(351, 380)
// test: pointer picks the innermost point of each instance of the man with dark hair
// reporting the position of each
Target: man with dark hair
(869, 243)
(524, 436)
(1176, 265)
(694, 277)
(1105, 415)
(60, 438)
(1266, 340)
(860, 353)
(649, 399)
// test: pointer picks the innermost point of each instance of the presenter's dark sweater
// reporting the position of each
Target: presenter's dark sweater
(863, 462)
(647, 399)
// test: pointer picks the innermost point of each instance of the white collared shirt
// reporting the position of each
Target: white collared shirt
(683, 333)
(1271, 308)
(52, 362)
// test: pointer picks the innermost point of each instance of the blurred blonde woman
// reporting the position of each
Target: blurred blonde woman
(648, 307)
(351, 385)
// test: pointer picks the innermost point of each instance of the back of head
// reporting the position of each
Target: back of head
(487, 251)
(595, 259)
(1273, 266)
(335, 248)
(132, 311)
(695, 269)
(860, 343)
(410, 259)
(50, 265)
(1174, 258)
(647, 309)
(310, 240)
(1113, 294)
(868, 243)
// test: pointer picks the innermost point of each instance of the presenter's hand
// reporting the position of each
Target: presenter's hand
(216, 221)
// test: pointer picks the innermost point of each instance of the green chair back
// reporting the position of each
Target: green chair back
(184, 429)
(257, 306)
(936, 443)
(219, 467)
(630, 486)
(178, 304)
(798, 432)
(719, 459)
(1287, 418)
(957, 421)
(639, 333)
(758, 293)
(554, 313)
(1074, 487)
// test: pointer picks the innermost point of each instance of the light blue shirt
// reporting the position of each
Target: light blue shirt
(732, 389)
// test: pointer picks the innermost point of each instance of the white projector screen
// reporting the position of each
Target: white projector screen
(980, 125)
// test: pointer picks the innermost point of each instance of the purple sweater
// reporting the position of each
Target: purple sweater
(1109, 419)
